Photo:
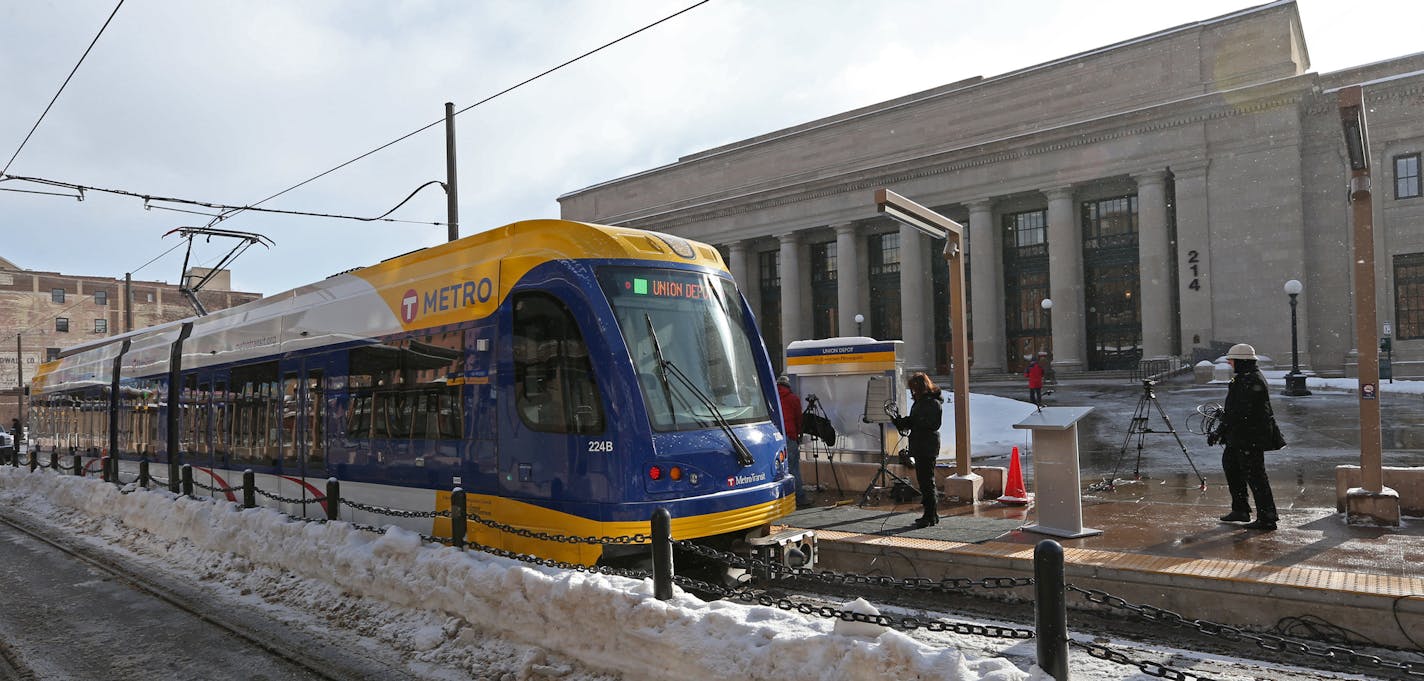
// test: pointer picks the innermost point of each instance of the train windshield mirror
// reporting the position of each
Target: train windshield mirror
(700, 332)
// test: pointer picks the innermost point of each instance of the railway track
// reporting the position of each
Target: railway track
(77, 611)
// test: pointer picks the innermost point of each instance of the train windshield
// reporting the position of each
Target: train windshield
(692, 324)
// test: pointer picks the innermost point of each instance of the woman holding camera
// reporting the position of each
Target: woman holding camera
(924, 420)
(1247, 429)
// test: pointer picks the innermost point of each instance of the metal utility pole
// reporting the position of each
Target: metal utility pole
(964, 484)
(128, 301)
(1372, 503)
(452, 195)
(19, 392)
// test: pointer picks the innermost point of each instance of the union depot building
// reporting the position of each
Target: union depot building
(1159, 191)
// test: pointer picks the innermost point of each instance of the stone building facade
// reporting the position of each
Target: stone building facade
(47, 312)
(1160, 191)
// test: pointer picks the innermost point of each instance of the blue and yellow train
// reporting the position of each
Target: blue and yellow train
(570, 377)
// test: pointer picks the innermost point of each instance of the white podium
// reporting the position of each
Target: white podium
(1056, 479)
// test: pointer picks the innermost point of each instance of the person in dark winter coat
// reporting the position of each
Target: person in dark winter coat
(1246, 430)
(924, 420)
(791, 420)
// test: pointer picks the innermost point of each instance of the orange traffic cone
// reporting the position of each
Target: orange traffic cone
(1014, 492)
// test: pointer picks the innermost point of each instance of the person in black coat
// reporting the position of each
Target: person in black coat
(1246, 430)
(924, 420)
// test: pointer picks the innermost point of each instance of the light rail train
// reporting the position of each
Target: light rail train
(571, 378)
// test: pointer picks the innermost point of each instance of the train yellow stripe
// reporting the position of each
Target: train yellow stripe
(539, 519)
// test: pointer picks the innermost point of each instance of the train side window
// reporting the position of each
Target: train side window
(554, 384)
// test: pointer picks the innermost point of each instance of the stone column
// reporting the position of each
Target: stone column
(848, 277)
(1154, 264)
(793, 298)
(986, 289)
(742, 271)
(1065, 281)
(915, 300)
(1194, 255)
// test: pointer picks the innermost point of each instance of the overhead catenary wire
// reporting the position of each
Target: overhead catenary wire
(61, 89)
(225, 208)
(505, 91)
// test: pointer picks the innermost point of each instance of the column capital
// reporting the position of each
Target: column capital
(980, 205)
(1191, 168)
(1059, 193)
(1158, 176)
(788, 238)
(738, 246)
(845, 228)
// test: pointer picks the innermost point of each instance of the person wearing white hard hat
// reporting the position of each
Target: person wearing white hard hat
(1248, 430)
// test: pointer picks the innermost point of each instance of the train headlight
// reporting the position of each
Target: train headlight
(675, 473)
(655, 473)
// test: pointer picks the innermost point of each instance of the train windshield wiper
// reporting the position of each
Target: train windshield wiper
(666, 367)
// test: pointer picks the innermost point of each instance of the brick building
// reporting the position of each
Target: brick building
(49, 311)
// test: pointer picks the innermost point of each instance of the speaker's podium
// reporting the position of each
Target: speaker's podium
(1058, 504)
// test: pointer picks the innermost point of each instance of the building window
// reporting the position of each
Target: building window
(1406, 176)
(885, 285)
(56, 295)
(1409, 296)
(1027, 229)
(101, 297)
(51, 354)
(769, 276)
(101, 326)
(824, 311)
(150, 297)
(61, 324)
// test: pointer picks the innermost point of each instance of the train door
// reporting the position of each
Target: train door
(302, 437)
(553, 411)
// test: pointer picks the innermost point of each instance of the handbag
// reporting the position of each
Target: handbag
(1277, 440)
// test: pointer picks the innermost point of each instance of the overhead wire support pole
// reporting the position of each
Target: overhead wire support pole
(452, 195)
(965, 484)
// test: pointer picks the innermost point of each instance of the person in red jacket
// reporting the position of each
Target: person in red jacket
(791, 420)
(1035, 381)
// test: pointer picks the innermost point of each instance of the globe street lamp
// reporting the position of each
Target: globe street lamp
(1295, 381)
(859, 319)
(1047, 306)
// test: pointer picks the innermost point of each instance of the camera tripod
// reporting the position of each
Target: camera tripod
(1140, 427)
(882, 480)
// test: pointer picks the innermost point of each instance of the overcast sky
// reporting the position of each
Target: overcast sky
(231, 102)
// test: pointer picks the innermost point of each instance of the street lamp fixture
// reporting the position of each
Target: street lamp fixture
(1295, 381)
(859, 319)
(965, 484)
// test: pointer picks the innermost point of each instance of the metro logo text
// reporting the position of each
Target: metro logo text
(455, 296)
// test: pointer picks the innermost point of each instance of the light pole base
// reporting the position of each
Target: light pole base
(1295, 386)
(1369, 508)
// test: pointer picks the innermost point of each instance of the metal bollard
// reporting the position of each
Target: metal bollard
(1050, 609)
(187, 480)
(54, 460)
(662, 554)
(143, 473)
(333, 499)
(175, 475)
(105, 464)
(457, 518)
(78, 466)
(34, 461)
(249, 489)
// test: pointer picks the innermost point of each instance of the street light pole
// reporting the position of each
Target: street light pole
(1371, 503)
(965, 485)
(858, 320)
(1295, 381)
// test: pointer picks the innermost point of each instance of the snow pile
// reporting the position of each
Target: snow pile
(605, 623)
